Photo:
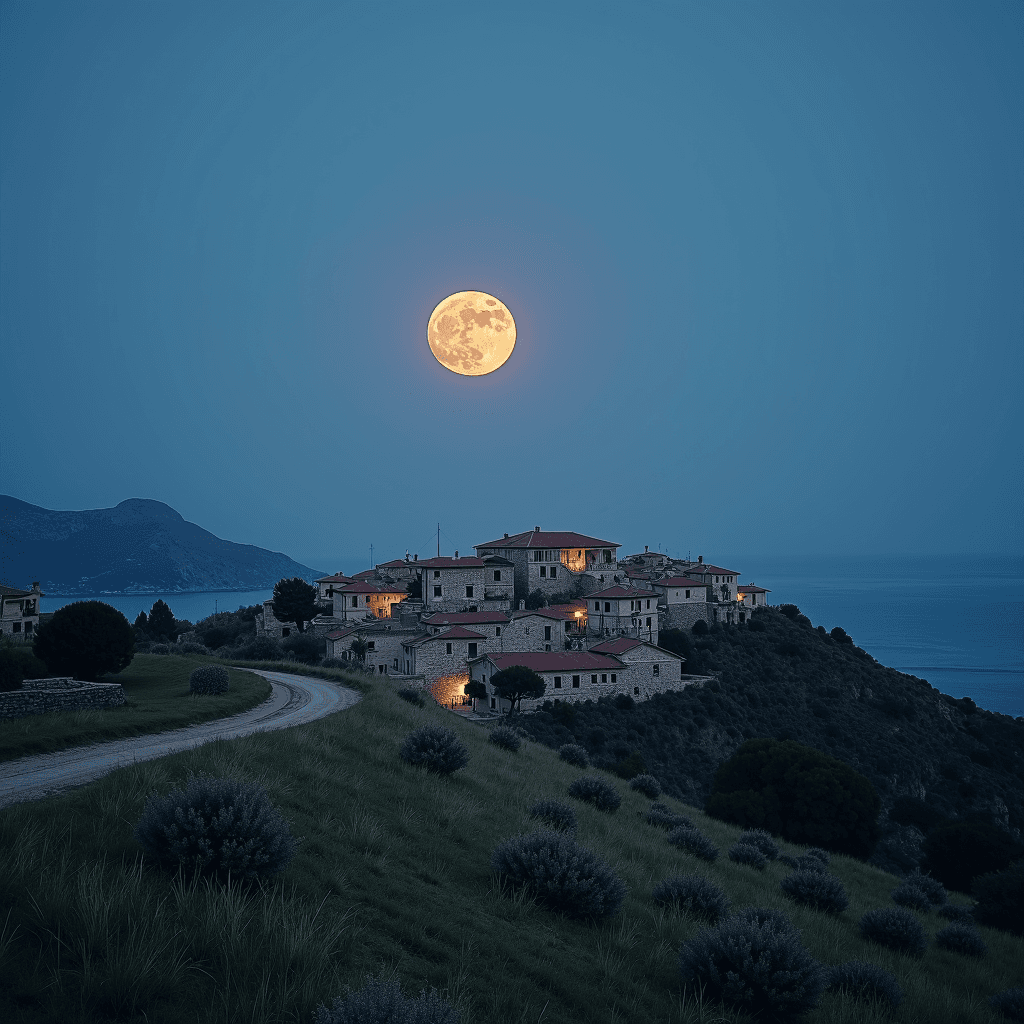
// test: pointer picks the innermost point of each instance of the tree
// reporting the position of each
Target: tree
(359, 647)
(959, 852)
(141, 624)
(85, 640)
(535, 599)
(295, 601)
(516, 682)
(676, 641)
(474, 688)
(161, 620)
(415, 588)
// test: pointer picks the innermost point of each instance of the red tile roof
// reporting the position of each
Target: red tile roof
(568, 611)
(548, 539)
(395, 563)
(455, 633)
(622, 592)
(364, 575)
(751, 589)
(461, 618)
(338, 577)
(717, 570)
(619, 645)
(678, 581)
(556, 661)
(544, 613)
(444, 562)
(365, 588)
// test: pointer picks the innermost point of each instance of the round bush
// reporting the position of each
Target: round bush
(560, 873)
(761, 839)
(741, 853)
(646, 784)
(962, 939)
(755, 966)
(1010, 1003)
(217, 826)
(660, 816)
(932, 888)
(555, 814)
(437, 749)
(506, 738)
(954, 912)
(866, 981)
(208, 679)
(85, 639)
(910, 896)
(895, 928)
(818, 854)
(694, 842)
(1000, 898)
(382, 1002)
(694, 895)
(603, 795)
(411, 696)
(574, 754)
(816, 889)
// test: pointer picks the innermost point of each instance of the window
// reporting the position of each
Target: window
(543, 571)
(536, 556)
(648, 622)
(547, 647)
(437, 574)
(613, 677)
(604, 677)
(472, 650)
(631, 603)
(636, 691)
(547, 632)
(607, 606)
(648, 605)
(657, 669)
(608, 556)
(371, 645)
(469, 591)
(497, 630)
(576, 682)
(597, 606)
(593, 679)
(28, 627)
(437, 591)
(682, 671)
(558, 682)
(554, 572)
(355, 602)
(483, 679)
(687, 593)
(497, 575)
(394, 664)
(447, 648)
(284, 632)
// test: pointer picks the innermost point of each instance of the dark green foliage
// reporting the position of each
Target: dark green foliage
(359, 646)
(791, 611)
(841, 636)
(594, 790)
(295, 601)
(17, 662)
(382, 1002)
(756, 624)
(475, 688)
(954, 912)
(646, 784)
(804, 863)
(259, 648)
(1000, 896)
(694, 842)
(799, 793)
(932, 888)
(961, 938)
(675, 640)
(818, 854)
(866, 981)
(10, 673)
(630, 766)
(958, 852)
(694, 895)
(554, 814)
(535, 599)
(762, 840)
(623, 702)
(304, 647)
(516, 682)
(208, 679)
(85, 639)
(907, 895)
(217, 826)
(560, 873)
(435, 748)
(910, 810)
(228, 629)
(699, 628)
(573, 753)
(660, 816)
(761, 916)
(816, 889)
(741, 853)
(1010, 1003)
(412, 696)
(506, 738)
(895, 928)
(756, 967)
(161, 621)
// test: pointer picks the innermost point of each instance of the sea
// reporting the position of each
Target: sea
(956, 621)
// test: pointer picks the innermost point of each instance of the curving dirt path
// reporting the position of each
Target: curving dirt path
(295, 700)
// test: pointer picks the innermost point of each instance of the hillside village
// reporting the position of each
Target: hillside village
(560, 603)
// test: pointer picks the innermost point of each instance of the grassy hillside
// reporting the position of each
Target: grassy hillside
(392, 875)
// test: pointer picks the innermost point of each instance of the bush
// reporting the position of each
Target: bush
(85, 639)
(555, 814)
(412, 696)
(382, 1002)
(1010, 1003)
(694, 842)
(765, 916)
(932, 888)
(623, 702)
(799, 793)
(760, 839)
(506, 738)
(907, 895)
(437, 749)
(699, 628)
(574, 754)
(259, 648)
(741, 853)
(957, 853)
(17, 662)
(560, 873)
(895, 928)
(694, 895)
(305, 647)
(603, 795)
(961, 938)
(646, 784)
(818, 890)
(816, 853)
(208, 679)
(865, 981)
(218, 827)
(952, 912)
(660, 816)
(755, 966)
(1000, 897)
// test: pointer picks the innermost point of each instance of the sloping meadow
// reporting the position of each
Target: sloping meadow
(392, 878)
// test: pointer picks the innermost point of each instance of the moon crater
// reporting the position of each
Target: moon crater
(471, 333)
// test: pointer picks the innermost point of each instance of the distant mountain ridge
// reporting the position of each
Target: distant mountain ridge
(140, 546)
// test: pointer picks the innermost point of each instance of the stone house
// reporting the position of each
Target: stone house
(19, 612)
(483, 583)
(442, 659)
(539, 629)
(647, 559)
(682, 600)
(651, 668)
(327, 585)
(487, 623)
(358, 599)
(749, 598)
(384, 640)
(623, 611)
(268, 624)
(721, 583)
(401, 570)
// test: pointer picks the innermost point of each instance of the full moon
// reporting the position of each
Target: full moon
(472, 333)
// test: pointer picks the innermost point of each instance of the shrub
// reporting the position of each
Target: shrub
(753, 965)
(305, 647)
(1000, 896)
(862, 980)
(694, 842)
(957, 853)
(760, 839)
(895, 928)
(953, 912)
(699, 628)
(437, 749)
(932, 888)
(382, 1002)
(555, 814)
(17, 662)
(648, 785)
(574, 754)
(85, 639)
(765, 915)
(412, 696)
(660, 816)
(961, 938)
(818, 890)
(799, 793)
(741, 853)
(259, 648)
(217, 826)
(603, 795)
(907, 895)
(208, 679)
(694, 895)
(560, 873)
(506, 738)
(1010, 1003)
(818, 854)
(623, 702)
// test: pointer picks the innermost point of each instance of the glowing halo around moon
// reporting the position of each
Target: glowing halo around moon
(471, 333)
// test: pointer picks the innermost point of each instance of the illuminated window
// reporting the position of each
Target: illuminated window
(558, 682)
(576, 682)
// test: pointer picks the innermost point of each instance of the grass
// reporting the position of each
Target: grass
(156, 699)
(392, 875)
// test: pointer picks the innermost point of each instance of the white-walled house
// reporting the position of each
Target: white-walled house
(357, 600)
(327, 585)
(626, 611)
(721, 583)
(682, 600)
(19, 612)
(750, 597)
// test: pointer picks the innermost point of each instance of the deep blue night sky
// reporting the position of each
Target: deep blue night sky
(766, 263)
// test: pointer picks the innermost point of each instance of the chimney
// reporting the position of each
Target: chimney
(416, 558)
(506, 536)
(407, 554)
(536, 529)
(700, 559)
(456, 554)
(646, 549)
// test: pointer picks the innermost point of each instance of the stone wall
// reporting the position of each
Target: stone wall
(683, 615)
(44, 696)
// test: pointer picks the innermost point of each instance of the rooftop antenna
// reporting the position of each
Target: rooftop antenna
(371, 556)
(438, 540)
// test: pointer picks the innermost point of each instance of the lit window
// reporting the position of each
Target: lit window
(558, 682)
